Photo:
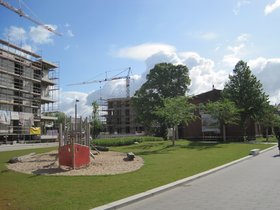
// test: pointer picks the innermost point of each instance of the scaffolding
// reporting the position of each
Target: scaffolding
(28, 88)
(121, 118)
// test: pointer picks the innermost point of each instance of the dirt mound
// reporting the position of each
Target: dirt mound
(105, 163)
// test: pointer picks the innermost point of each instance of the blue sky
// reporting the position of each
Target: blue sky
(102, 36)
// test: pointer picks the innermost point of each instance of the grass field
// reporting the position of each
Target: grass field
(163, 164)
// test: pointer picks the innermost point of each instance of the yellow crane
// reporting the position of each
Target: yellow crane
(22, 14)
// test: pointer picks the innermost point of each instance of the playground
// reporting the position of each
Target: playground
(74, 156)
(104, 163)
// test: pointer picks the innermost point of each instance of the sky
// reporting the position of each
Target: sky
(103, 38)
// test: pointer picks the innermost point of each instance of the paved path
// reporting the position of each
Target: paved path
(251, 184)
(9, 147)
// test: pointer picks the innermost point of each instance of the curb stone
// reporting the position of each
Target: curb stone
(152, 192)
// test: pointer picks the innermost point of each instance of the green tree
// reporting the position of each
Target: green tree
(269, 118)
(61, 118)
(96, 125)
(176, 111)
(225, 111)
(165, 80)
(247, 93)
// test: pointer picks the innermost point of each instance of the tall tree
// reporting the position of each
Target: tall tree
(176, 111)
(165, 80)
(225, 111)
(61, 119)
(96, 125)
(269, 119)
(246, 91)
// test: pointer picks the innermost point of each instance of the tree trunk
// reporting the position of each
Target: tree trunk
(173, 136)
(243, 124)
(266, 133)
(224, 132)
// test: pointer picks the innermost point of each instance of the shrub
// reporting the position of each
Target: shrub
(124, 140)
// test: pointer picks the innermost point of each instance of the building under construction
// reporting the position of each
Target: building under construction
(28, 93)
(121, 118)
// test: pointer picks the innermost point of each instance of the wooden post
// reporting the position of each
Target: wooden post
(80, 130)
(86, 131)
(88, 134)
(60, 136)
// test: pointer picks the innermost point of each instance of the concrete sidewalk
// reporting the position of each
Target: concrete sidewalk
(178, 195)
(9, 147)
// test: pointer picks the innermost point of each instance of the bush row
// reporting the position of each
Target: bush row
(124, 140)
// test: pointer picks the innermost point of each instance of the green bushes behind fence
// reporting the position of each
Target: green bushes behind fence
(109, 142)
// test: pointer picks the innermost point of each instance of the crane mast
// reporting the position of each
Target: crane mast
(22, 14)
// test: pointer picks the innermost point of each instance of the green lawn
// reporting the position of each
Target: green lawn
(163, 164)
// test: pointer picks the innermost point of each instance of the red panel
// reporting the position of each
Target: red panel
(81, 156)
(65, 155)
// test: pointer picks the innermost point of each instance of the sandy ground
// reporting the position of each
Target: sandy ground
(105, 163)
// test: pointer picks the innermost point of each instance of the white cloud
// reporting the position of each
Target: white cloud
(15, 34)
(243, 38)
(271, 7)
(70, 33)
(236, 52)
(67, 104)
(238, 6)
(144, 51)
(232, 58)
(29, 39)
(203, 73)
(267, 71)
(209, 36)
(40, 35)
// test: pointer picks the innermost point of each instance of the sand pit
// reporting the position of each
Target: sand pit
(105, 163)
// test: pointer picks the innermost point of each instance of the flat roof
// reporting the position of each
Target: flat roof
(51, 65)
(19, 48)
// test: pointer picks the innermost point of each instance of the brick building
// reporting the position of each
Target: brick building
(207, 128)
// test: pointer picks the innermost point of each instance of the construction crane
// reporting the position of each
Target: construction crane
(127, 81)
(22, 14)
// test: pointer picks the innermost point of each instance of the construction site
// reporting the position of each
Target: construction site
(116, 113)
(29, 90)
(121, 118)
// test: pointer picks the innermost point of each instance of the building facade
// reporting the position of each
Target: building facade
(207, 128)
(121, 118)
(28, 93)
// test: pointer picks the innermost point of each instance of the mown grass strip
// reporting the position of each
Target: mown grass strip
(163, 164)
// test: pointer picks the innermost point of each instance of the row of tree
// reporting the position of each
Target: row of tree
(161, 102)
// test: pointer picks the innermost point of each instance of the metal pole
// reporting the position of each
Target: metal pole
(76, 119)
(76, 116)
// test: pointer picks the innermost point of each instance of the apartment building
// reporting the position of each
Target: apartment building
(121, 118)
(28, 94)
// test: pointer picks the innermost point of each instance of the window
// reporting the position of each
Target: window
(127, 112)
(36, 88)
(18, 83)
(18, 68)
(37, 74)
